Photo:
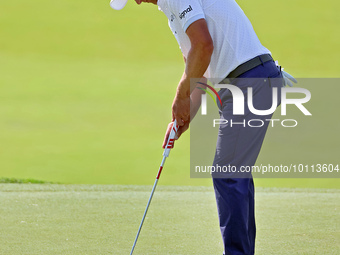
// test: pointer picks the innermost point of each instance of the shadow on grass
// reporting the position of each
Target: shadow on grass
(26, 181)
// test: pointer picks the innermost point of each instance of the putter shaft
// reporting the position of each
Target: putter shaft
(166, 152)
(147, 206)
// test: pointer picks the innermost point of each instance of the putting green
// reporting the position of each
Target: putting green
(103, 219)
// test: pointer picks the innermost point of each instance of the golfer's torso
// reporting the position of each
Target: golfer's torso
(235, 40)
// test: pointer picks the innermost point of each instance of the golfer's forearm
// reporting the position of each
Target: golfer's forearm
(197, 63)
(195, 97)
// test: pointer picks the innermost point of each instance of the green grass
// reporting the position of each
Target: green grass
(86, 92)
(103, 219)
(85, 96)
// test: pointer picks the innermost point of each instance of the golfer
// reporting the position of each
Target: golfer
(218, 42)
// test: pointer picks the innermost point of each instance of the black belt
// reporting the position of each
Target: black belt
(245, 67)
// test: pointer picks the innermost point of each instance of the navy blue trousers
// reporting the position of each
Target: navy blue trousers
(239, 146)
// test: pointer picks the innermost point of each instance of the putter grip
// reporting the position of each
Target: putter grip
(171, 139)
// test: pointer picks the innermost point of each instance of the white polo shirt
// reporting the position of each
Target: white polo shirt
(235, 40)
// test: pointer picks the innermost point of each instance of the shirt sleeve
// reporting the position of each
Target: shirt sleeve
(186, 11)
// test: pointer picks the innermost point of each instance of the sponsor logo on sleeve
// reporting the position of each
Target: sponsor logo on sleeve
(183, 13)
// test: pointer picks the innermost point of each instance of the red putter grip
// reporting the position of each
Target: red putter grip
(170, 144)
(171, 140)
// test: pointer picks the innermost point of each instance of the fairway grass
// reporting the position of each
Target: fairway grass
(103, 219)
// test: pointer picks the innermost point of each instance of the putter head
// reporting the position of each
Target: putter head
(118, 4)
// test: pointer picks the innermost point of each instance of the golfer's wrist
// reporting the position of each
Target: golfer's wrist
(183, 90)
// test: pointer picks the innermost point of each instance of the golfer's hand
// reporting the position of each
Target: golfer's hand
(167, 133)
(181, 110)
(180, 131)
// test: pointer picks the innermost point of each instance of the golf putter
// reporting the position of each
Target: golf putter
(169, 145)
